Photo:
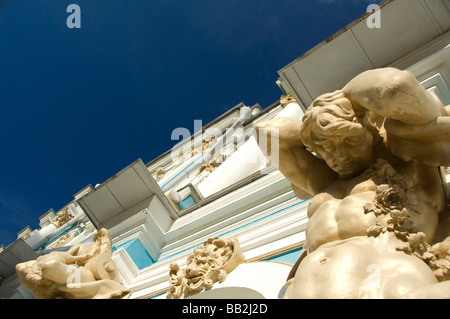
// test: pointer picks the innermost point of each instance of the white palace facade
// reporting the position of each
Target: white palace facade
(218, 184)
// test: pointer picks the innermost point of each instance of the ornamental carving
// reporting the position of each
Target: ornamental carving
(393, 199)
(286, 99)
(61, 218)
(390, 206)
(211, 165)
(208, 264)
(159, 173)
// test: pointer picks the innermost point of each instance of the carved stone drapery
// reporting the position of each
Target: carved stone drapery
(208, 264)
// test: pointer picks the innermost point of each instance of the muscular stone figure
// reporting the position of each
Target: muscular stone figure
(369, 157)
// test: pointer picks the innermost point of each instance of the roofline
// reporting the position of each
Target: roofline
(334, 36)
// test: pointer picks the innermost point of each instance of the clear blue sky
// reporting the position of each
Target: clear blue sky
(78, 105)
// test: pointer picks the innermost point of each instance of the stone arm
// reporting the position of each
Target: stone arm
(307, 173)
(428, 143)
(393, 94)
(416, 123)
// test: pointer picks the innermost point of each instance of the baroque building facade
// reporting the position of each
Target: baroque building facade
(215, 191)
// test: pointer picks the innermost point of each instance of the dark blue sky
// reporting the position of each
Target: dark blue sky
(78, 105)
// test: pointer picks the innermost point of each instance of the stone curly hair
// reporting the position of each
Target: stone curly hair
(333, 114)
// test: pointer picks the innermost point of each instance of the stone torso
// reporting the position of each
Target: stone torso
(348, 208)
(360, 230)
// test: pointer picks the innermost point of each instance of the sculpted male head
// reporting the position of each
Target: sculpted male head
(341, 137)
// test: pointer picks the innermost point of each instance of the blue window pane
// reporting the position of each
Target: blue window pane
(137, 253)
(188, 201)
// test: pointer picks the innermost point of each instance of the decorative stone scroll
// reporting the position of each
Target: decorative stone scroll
(208, 264)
